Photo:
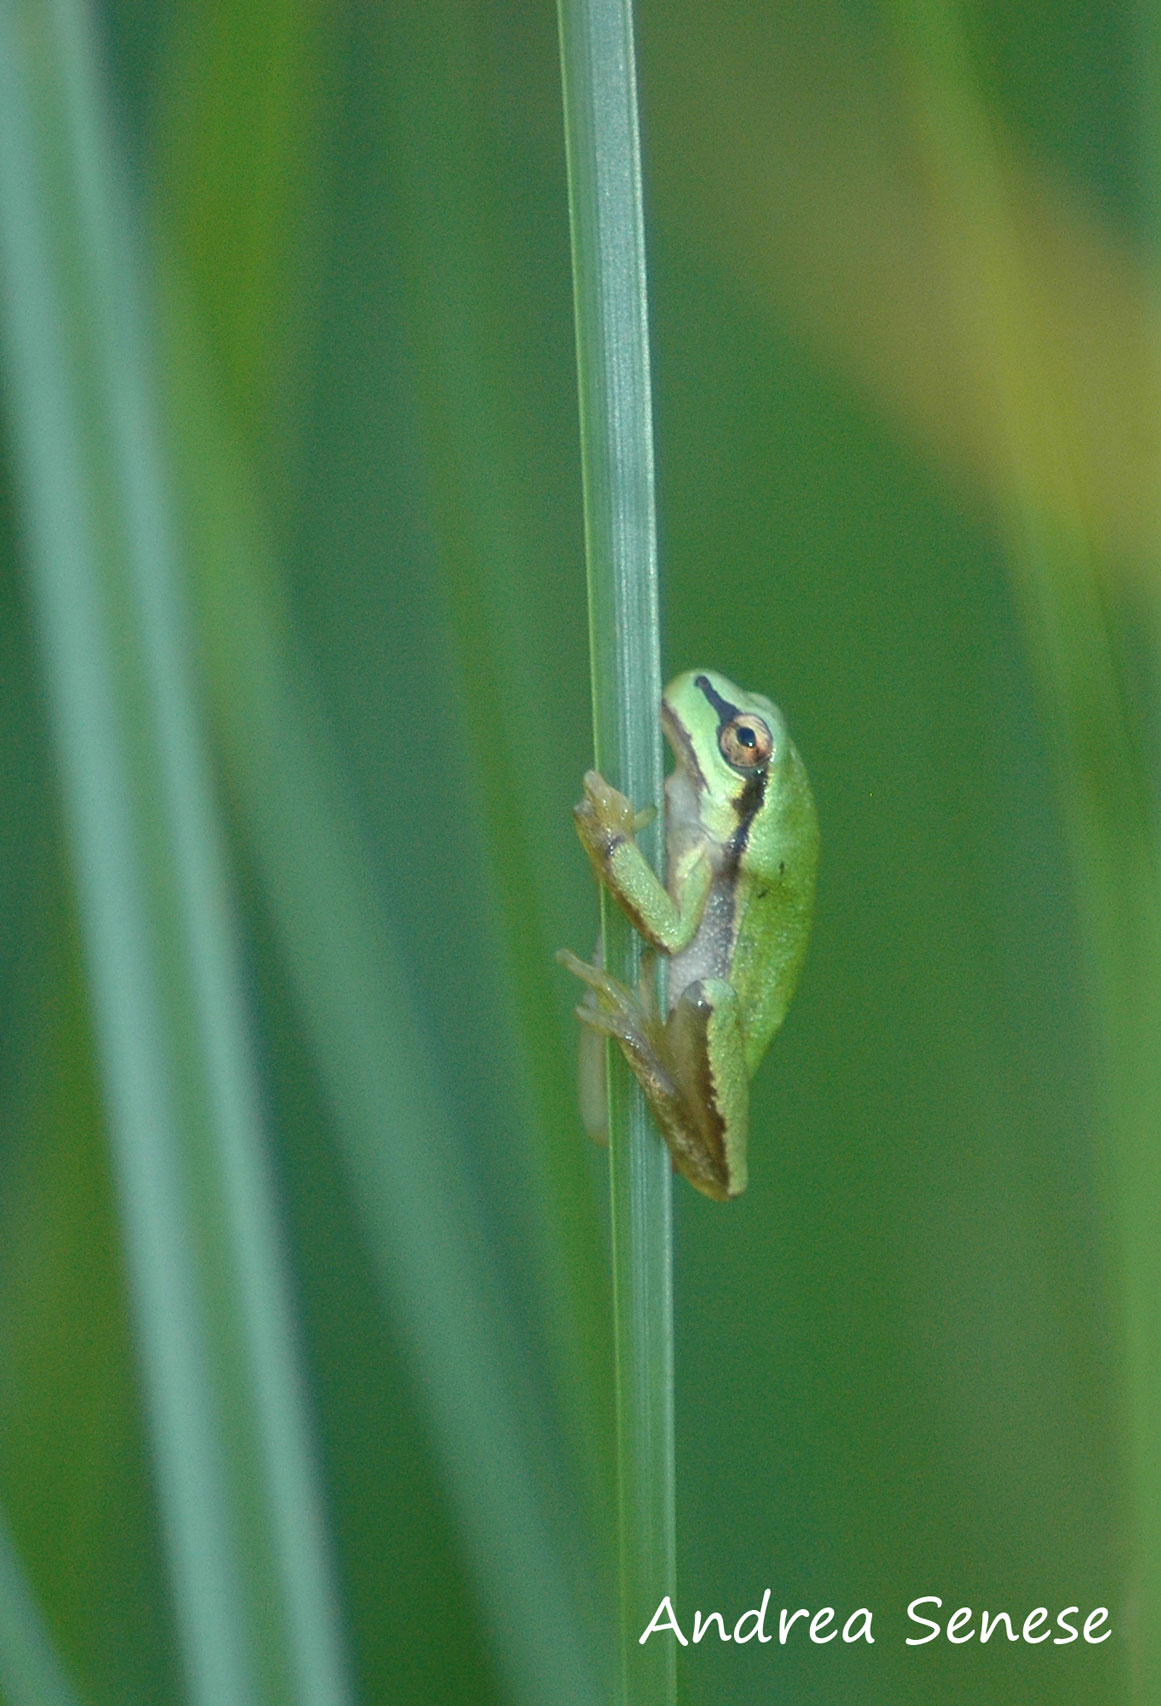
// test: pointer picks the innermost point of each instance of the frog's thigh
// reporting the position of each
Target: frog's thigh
(707, 1043)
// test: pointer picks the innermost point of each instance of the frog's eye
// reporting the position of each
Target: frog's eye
(745, 742)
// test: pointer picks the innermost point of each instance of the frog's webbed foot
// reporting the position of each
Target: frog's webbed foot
(630, 1018)
(671, 1063)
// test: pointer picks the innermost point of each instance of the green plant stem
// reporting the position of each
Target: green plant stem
(241, 1509)
(608, 243)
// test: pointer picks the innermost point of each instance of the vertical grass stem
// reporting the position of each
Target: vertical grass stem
(608, 246)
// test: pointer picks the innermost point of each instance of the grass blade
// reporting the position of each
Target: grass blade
(31, 1673)
(604, 175)
(399, 1145)
(1064, 590)
(240, 1505)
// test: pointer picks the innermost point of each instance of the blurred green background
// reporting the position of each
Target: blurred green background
(905, 358)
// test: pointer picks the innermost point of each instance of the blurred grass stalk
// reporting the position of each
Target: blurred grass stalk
(612, 333)
(428, 1241)
(241, 1510)
(31, 1672)
(234, 218)
(486, 520)
(1069, 600)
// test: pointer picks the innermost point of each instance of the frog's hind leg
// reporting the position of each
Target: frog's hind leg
(632, 1020)
(592, 1064)
(673, 1066)
(593, 1079)
(708, 1052)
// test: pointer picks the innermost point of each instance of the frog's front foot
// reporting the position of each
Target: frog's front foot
(605, 818)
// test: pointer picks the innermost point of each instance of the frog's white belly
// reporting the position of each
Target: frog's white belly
(708, 955)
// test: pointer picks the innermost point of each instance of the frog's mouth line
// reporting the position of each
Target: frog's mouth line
(680, 742)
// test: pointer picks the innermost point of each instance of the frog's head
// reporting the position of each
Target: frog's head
(725, 739)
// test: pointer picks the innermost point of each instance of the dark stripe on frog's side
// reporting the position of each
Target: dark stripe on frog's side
(749, 801)
(748, 805)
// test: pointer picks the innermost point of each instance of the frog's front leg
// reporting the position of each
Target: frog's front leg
(692, 1069)
(607, 824)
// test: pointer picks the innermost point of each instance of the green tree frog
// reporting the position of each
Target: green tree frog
(734, 919)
